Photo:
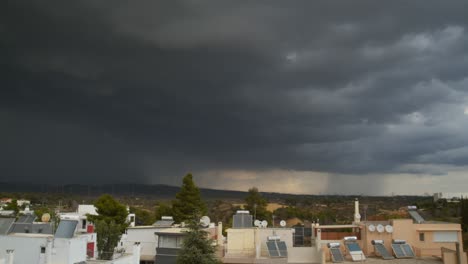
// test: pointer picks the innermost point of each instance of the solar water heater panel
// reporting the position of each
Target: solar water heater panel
(272, 249)
(399, 253)
(408, 250)
(383, 251)
(336, 255)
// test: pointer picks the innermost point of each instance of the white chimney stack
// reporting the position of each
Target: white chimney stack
(219, 234)
(357, 216)
(10, 256)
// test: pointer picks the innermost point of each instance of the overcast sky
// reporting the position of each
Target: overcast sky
(339, 97)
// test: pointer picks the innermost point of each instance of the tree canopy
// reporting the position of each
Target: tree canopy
(197, 248)
(163, 210)
(188, 202)
(257, 204)
(143, 216)
(13, 206)
(464, 214)
(110, 224)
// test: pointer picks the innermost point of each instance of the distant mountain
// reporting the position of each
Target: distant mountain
(160, 191)
(157, 190)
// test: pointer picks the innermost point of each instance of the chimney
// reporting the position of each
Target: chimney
(10, 256)
(219, 235)
(357, 216)
(136, 250)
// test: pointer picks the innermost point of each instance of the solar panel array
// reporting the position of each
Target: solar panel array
(416, 216)
(5, 224)
(26, 219)
(282, 249)
(277, 248)
(272, 249)
(403, 251)
(66, 229)
(242, 221)
(163, 223)
(408, 250)
(355, 251)
(337, 256)
(383, 251)
(353, 247)
(44, 228)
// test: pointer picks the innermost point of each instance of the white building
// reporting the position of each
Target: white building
(81, 216)
(161, 241)
(68, 246)
(22, 202)
(81, 213)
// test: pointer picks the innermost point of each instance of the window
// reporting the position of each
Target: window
(421, 236)
(446, 236)
(83, 224)
(170, 241)
(42, 250)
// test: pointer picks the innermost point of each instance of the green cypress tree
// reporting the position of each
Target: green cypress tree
(197, 248)
(188, 202)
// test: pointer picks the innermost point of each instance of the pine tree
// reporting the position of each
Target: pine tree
(188, 202)
(197, 248)
(464, 214)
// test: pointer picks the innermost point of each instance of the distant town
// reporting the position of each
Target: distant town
(151, 224)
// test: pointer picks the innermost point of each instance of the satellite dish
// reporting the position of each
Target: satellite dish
(389, 228)
(371, 228)
(283, 223)
(45, 217)
(257, 223)
(380, 228)
(205, 221)
(264, 223)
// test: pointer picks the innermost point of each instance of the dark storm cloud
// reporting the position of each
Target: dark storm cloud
(146, 91)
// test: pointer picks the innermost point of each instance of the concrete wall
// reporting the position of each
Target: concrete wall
(250, 243)
(367, 237)
(241, 242)
(303, 255)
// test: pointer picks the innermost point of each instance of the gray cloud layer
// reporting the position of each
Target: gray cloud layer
(117, 91)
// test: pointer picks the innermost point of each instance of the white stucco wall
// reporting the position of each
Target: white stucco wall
(26, 249)
(69, 250)
(148, 241)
